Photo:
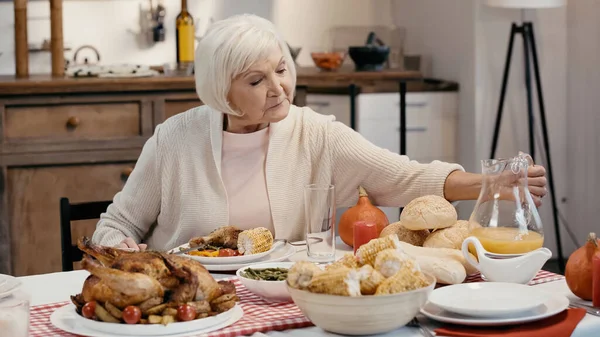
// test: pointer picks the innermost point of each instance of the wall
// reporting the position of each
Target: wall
(109, 25)
(467, 42)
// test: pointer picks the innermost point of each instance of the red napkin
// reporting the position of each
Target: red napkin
(561, 325)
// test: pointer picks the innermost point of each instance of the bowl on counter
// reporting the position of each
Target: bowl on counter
(362, 315)
(269, 290)
(328, 61)
(369, 58)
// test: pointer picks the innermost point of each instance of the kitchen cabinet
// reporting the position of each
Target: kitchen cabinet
(431, 119)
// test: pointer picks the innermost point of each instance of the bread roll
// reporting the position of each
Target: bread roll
(454, 254)
(446, 270)
(451, 237)
(415, 238)
(428, 212)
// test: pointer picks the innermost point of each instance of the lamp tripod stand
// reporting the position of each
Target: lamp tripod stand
(529, 49)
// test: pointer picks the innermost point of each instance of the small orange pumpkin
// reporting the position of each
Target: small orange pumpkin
(578, 271)
(362, 211)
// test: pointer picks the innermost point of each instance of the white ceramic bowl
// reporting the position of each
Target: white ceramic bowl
(273, 291)
(363, 315)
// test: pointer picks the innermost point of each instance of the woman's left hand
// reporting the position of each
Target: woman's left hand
(536, 179)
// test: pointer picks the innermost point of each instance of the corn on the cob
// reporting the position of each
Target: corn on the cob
(348, 260)
(367, 253)
(370, 279)
(301, 273)
(254, 241)
(341, 281)
(404, 280)
(389, 261)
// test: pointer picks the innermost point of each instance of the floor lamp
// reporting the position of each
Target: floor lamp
(525, 29)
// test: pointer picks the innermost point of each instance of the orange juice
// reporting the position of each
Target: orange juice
(507, 240)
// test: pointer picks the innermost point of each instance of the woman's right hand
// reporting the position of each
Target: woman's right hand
(129, 244)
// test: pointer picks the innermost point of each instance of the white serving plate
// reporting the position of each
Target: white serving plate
(66, 319)
(8, 285)
(229, 259)
(554, 304)
(488, 299)
(277, 255)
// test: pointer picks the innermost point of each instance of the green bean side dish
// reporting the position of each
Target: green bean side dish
(266, 274)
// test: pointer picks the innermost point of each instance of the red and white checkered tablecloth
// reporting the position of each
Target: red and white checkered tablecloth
(259, 316)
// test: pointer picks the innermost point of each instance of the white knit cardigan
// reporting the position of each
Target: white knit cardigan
(177, 191)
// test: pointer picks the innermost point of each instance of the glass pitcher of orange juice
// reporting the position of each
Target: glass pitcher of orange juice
(505, 218)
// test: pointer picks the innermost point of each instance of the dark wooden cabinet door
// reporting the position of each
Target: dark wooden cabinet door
(33, 205)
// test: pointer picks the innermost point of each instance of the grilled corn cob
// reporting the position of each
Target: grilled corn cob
(367, 253)
(254, 241)
(342, 281)
(404, 280)
(301, 273)
(389, 261)
(369, 279)
(348, 260)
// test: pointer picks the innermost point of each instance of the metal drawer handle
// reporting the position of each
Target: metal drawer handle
(73, 122)
(414, 105)
(321, 104)
(414, 129)
(126, 173)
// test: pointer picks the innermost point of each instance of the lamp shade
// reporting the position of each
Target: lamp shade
(526, 3)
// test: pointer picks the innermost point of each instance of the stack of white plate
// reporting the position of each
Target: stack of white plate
(492, 304)
(8, 284)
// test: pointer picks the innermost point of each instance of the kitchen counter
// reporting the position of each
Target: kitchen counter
(308, 78)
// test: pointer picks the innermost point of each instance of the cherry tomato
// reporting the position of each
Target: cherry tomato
(89, 309)
(186, 312)
(226, 252)
(132, 314)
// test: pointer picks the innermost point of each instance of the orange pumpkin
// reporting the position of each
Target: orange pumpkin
(362, 211)
(578, 271)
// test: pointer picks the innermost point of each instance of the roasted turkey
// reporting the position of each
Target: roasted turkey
(131, 278)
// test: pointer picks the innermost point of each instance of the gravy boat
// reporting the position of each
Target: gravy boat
(513, 268)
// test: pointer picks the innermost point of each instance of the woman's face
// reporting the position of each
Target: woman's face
(262, 94)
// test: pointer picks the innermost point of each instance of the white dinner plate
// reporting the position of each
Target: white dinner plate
(230, 259)
(554, 304)
(8, 284)
(281, 254)
(488, 299)
(66, 319)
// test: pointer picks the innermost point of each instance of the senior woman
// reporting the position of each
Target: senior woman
(245, 156)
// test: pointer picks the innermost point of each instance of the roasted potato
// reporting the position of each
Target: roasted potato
(154, 310)
(155, 319)
(223, 306)
(149, 304)
(114, 311)
(169, 312)
(104, 315)
(200, 306)
(166, 319)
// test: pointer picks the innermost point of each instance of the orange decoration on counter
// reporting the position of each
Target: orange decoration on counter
(362, 211)
(578, 271)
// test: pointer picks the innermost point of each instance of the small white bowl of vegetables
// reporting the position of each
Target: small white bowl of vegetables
(267, 280)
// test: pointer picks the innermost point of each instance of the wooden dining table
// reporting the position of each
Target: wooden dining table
(57, 287)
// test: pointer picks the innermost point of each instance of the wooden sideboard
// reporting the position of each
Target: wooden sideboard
(80, 138)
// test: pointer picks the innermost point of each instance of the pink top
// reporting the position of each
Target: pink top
(243, 171)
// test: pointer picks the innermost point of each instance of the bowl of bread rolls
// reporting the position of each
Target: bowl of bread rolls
(378, 290)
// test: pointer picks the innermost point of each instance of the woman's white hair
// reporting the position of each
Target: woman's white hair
(228, 49)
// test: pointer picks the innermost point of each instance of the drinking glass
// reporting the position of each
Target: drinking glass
(14, 315)
(319, 214)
